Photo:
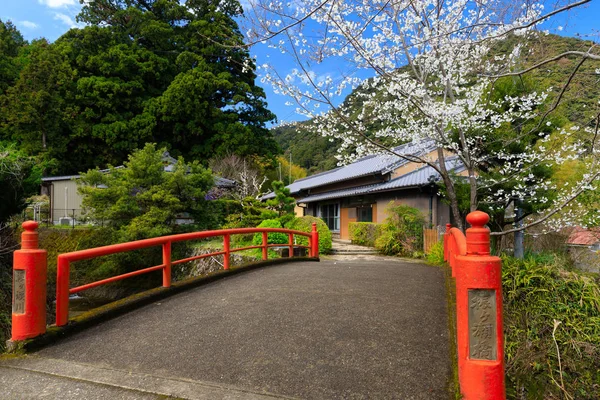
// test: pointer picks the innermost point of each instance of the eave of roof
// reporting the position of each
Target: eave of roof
(376, 164)
(421, 177)
(219, 181)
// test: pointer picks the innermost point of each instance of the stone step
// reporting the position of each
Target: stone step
(352, 251)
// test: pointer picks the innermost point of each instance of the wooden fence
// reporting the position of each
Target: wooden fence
(430, 237)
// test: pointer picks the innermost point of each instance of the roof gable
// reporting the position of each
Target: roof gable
(375, 164)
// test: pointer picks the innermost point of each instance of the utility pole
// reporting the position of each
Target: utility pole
(290, 180)
(519, 235)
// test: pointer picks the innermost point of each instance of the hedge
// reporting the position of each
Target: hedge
(304, 224)
(364, 233)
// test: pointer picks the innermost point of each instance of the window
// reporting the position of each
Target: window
(330, 213)
(364, 214)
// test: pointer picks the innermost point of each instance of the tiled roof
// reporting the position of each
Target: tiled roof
(219, 181)
(584, 237)
(420, 177)
(369, 165)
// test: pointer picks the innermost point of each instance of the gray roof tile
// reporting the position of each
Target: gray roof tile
(419, 177)
(369, 165)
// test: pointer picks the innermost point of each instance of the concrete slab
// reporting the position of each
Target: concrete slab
(335, 329)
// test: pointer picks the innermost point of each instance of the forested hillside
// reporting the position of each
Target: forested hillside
(316, 153)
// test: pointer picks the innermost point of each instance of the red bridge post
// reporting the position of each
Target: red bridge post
(29, 286)
(479, 315)
(265, 246)
(314, 247)
(226, 248)
(166, 273)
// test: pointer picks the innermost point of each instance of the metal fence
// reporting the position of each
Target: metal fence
(67, 218)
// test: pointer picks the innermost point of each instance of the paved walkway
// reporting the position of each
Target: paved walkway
(346, 247)
(369, 329)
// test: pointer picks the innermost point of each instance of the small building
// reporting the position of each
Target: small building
(583, 246)
(362, 191)
(65, 200)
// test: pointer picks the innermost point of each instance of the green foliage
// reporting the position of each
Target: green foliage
(7, 242)
(19, 178)
(364, 233)
(537, 291)
(272, 237)
(11, 42)
(252, 213)
(140, 71)
(220, 210)
(401, 232)
(304, 224)
(143, 200)
(310, 150)
(283, 203)
(436, 254)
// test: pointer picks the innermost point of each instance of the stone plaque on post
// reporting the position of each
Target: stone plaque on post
(18, 303)
(482, 324)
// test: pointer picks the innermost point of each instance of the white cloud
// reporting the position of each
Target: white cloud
(58, 3)
(65, 19)
(29, 24)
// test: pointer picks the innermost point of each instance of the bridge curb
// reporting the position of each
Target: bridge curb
(90, 318)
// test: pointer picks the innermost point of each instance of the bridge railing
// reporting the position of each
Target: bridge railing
(479, 333)
(29, 269)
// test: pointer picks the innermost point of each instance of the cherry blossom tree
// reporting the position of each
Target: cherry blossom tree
(436, 71)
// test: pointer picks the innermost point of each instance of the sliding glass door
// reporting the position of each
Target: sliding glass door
(330, 213)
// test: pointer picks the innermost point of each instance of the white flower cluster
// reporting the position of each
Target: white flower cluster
(434, 67)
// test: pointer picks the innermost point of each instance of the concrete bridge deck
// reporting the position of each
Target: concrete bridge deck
(361, 329)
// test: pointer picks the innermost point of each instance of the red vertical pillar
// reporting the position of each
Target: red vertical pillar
(226, 248)
(265, 243)
(62, 290)
(29, 286)
(166, 253)
(479, 316)
(290, 245)
(314, 241)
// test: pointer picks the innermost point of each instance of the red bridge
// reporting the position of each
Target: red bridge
(361, 328)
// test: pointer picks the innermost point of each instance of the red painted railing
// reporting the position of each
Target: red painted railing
(30, 262)
(478, 309)
(64, 260)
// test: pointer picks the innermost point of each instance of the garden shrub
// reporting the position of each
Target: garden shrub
(304, 224)
(272, 237)
(364, 233)
(436, 254)
(401, 232)
(251, 214)
(218, 212)
(537, 292)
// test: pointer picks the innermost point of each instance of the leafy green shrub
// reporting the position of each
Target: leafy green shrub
(364, 233)
(401, 232)
(219, 210)
(304, 224)
(436, 254)
(537, 292)
(272, 237)
(250, 215)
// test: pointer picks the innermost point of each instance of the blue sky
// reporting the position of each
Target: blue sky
(52, 18)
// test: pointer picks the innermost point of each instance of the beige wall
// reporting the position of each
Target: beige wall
(60, 201)
(344, 223)
(411, 166)
(416, 199)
